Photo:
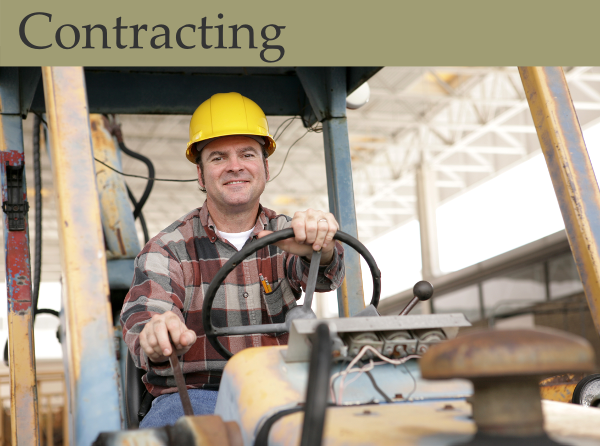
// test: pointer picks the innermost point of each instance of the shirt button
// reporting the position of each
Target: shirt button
(245, 294)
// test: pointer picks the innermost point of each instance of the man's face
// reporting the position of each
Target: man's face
(235, 173)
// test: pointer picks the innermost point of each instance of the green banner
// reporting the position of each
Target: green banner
(309, 32)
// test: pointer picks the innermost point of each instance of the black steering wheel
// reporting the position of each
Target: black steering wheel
(212, 332)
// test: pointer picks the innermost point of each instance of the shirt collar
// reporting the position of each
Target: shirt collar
(209, 225)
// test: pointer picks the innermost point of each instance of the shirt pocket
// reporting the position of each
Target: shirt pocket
(274, 308)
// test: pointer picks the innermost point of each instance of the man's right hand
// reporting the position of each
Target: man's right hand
(155, 338)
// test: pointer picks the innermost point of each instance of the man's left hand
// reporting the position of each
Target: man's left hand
(313, 230)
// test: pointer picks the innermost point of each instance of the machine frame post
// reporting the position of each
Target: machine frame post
(326, 91)
(117, 218)
(93, 387)
(21, 346)
(571, 171)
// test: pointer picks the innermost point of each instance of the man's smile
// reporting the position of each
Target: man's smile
(229, 183)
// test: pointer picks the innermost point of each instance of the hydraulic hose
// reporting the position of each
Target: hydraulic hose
(150, 183)
(137, 204)
(140, 216)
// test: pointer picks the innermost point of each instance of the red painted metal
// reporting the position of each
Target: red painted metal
(16, 248)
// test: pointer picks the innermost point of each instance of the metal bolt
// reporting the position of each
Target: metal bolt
(505, 367)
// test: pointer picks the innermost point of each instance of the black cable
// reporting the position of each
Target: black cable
(377, 388)
(140, 216)
(316, 390)
(142, 177)
(286, 155)
(142, 201)
(36, 312)
(289, 120)
(262, 438)
(47, 311)
(314, 129)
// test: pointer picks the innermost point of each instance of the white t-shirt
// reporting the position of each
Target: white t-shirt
(237, 239)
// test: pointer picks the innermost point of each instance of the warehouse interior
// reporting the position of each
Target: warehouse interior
(425, 142)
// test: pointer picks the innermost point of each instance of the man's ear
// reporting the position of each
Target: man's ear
(200, 179)
(267, 169)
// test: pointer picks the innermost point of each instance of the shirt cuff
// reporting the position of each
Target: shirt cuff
(155, 365)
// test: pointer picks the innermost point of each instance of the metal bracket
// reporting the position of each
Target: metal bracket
(15, 208)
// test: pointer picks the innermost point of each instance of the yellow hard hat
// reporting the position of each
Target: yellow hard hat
(226, 114)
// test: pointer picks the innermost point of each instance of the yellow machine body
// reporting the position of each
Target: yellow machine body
(257, 383)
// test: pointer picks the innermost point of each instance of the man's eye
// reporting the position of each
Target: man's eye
(217, 158)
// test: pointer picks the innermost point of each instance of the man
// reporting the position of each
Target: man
(230, 143)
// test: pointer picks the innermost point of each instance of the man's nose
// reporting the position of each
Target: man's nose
(235, 165)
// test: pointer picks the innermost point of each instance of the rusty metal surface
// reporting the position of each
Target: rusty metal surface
(505, 366)
(507, 407)
(117, 218)
(560, 387)
(429, 423)
(24, 403)
(94, 400)
(439, 423)
(493, 353)
(571, 171)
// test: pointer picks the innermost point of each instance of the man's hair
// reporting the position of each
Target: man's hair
(265, 155)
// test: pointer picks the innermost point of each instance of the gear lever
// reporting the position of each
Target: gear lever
(422, 291)
(180, 380)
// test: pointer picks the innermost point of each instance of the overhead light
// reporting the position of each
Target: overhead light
(358, 97)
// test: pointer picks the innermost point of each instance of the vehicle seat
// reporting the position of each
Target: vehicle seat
(134, 391)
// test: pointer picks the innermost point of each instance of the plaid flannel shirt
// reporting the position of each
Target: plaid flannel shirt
(173, 272)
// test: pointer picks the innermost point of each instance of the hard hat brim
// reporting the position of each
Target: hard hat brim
(191, 153)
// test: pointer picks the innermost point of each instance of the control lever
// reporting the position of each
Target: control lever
(422, 291)
(180, 381)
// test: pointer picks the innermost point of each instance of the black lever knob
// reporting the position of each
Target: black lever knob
(423, 290)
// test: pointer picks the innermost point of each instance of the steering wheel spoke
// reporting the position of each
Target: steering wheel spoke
(251, 329)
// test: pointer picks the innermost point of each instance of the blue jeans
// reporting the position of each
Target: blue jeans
(167, 409)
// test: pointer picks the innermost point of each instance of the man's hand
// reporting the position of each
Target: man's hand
(313, 230)
(155, 338)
